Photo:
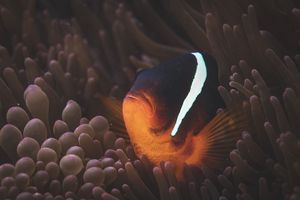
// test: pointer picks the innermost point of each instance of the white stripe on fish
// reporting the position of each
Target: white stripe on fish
(196, 88)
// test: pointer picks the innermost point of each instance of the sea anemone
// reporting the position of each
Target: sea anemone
(60, 59)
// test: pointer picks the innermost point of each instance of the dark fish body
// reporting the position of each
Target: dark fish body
(170, 105)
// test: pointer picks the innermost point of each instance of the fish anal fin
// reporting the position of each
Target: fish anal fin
(218, 138)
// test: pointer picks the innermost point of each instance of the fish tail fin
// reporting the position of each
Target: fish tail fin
(220, 135)
(112, 109)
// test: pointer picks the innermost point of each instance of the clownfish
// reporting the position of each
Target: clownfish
(170, 114)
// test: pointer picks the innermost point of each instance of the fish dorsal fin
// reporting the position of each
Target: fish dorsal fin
(195, 90)
(219, 137)
(113, 111)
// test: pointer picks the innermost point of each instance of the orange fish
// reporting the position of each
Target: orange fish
(170, 114)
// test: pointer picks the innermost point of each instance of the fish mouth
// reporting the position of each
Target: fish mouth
(155, 111)
(140, 96)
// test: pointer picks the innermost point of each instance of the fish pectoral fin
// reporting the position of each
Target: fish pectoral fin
(219, 137)
(113, 111)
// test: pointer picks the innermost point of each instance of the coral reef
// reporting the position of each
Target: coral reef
(58, 59)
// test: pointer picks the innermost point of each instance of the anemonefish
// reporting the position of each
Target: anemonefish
(170, 114)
